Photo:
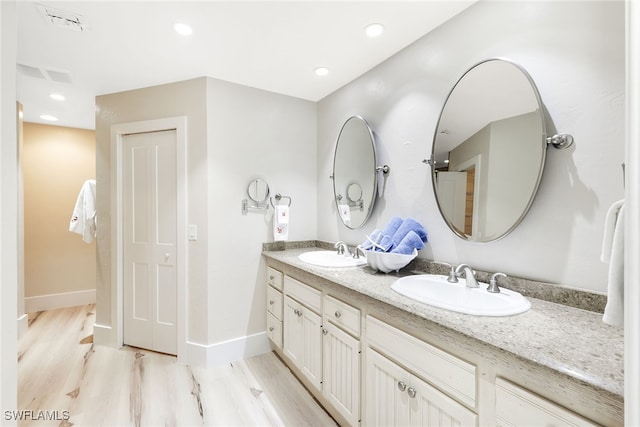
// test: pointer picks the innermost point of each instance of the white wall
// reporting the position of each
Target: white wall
(574, 52)
(234, 135)
(253, 134)
(8, 210)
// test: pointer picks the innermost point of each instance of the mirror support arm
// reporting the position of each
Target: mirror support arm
(560, 141)
(384, 169)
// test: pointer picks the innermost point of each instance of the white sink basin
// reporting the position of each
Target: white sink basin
(331, 259)
(436, 291)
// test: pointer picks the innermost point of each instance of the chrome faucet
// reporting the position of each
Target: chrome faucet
(342, 248)
(469, 275)
(358, 252)
(453, 278)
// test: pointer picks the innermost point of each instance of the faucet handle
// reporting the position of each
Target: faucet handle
(493, 283)
(358, 252)
(340, 247)
(453, 277)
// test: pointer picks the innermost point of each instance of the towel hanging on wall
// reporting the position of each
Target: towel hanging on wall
(83, 219)
(281, 223)
(613, 253)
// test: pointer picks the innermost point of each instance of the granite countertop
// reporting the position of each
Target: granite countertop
(570, 340)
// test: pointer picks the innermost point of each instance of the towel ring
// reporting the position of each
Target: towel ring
(279, 197)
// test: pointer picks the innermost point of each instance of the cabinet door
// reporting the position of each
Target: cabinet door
(303, 340)
(387, 402)
(311, 365)
(341, 372)
(292, 331)
(430, 407)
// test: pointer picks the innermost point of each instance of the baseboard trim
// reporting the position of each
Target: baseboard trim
(23, 324)
(102, 335)
(62, 300)
(226, 351)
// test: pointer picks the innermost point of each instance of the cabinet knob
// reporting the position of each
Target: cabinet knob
(271, 277)
(337, 314)
(411, 392)
(272, 302)
(325, 332)
(402, 386)
(271, 329)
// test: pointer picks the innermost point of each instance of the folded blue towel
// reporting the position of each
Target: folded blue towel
(408, 243)
(407, 225)
(392, 226)
(371, 238)
(384, 244)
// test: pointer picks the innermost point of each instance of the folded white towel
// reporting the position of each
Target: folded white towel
(281, 223)
(613, 252)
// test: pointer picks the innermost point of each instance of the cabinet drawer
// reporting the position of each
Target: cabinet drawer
(274, 302)
(274, 330)
(450, 374)
(516, 406)
(342, 314)
(302, 293)
(274, 278)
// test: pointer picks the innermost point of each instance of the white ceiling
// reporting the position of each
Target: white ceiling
(264, 44)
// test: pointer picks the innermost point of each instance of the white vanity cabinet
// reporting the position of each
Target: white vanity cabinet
(406, 380)
(274, 306)
(302, 329)
(516, 406)
(341, 357)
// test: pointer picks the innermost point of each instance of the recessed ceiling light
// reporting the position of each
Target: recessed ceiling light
(374, 30)
(49, 118)
(321, 71)
(56, 96)
(182, 29)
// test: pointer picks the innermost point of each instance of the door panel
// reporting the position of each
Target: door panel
(149, 240)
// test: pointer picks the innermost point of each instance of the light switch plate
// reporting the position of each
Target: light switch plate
(193, 232)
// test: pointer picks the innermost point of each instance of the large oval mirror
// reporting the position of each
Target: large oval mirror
(488, 151)
(354, 172)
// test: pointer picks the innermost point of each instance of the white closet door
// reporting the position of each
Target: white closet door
(149, 241)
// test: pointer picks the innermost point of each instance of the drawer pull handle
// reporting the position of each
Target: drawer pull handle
(402, 386)
(271, 277)
(411, 392)
(272, 302)
(271, 329)
(325, 332)
(337, 314)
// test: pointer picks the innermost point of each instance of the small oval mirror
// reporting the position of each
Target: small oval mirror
(488, 151)
(258, 190)
(354, 172)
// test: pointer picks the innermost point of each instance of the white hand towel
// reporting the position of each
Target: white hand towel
(614, 310)
(345, 213)
(609, 228)
(281, 223)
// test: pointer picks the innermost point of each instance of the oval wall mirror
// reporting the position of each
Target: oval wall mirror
(354, 172)
(488, 151)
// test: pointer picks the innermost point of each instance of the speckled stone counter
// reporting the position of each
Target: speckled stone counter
(571, 341)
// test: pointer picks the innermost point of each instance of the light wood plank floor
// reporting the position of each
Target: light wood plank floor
(59, 369)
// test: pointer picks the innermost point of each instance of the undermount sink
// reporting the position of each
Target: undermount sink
(331, 259)
(435, 290)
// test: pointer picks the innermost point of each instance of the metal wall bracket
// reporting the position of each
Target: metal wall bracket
(560, 141)
(384, 169)
(428, 161)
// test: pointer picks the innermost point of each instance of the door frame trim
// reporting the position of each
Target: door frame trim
(118, 131)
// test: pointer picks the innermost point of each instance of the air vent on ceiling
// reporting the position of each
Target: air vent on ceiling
(62, 19)
(56, 76)
(29, 71)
